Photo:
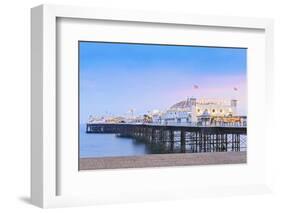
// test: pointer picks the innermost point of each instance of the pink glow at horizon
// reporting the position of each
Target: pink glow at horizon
(215, 88)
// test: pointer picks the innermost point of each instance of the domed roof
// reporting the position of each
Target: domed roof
(181, 104)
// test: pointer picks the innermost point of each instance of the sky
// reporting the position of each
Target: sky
(117, 77)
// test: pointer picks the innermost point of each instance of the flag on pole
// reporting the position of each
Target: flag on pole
(235, 88)
(195, 86)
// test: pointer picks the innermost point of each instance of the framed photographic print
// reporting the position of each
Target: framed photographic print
(137, 100)
(161, 100)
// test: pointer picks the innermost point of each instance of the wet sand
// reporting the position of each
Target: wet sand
(161, 160)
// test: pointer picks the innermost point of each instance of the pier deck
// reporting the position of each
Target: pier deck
(191, 138)
(115, 128)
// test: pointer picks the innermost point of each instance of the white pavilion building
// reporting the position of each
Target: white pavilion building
(194, 110)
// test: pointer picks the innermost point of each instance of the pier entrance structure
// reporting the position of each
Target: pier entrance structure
(179, 138)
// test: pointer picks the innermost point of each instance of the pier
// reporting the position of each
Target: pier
(179, 138)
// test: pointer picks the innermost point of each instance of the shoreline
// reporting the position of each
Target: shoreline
(163, 160)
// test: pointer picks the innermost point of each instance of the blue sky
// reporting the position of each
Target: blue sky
(117, 77)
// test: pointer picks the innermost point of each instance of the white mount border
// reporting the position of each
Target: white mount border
(43, 85)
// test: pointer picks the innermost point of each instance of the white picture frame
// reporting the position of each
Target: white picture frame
(45, 169)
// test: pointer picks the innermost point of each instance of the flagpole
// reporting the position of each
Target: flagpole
(235, 89)
(195, 88)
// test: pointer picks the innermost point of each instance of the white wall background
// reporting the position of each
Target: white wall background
(15, 103)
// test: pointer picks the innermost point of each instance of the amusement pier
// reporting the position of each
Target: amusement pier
(188, 126)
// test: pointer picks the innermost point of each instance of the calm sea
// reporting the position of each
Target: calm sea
(105, 145)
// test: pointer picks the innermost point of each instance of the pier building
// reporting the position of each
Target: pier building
(190, 111)
(202, 111)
